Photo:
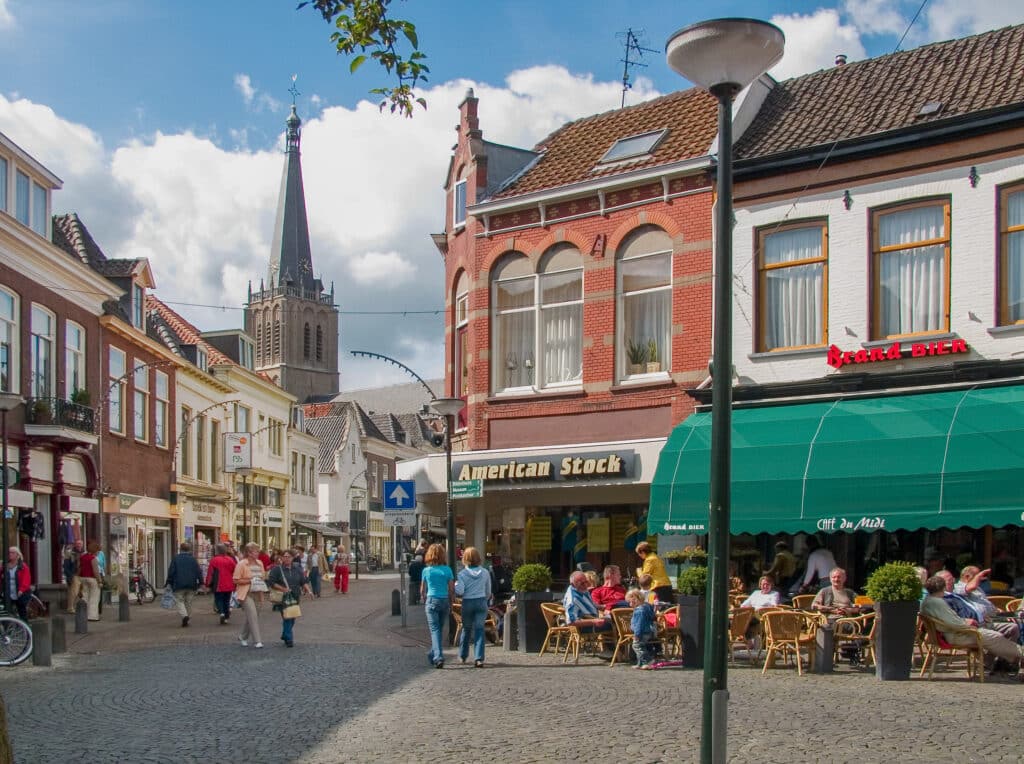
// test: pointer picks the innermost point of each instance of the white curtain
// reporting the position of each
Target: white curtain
(562, 326)
(648, 316)
(795, 311)
(912, 280)
(514, 363)
(1014, 275)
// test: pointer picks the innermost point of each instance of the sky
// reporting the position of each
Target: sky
(165, 120)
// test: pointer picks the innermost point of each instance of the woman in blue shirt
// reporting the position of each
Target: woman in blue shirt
(437, 589)
(474, 586)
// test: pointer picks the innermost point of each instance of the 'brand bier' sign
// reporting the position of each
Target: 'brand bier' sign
(838, 358)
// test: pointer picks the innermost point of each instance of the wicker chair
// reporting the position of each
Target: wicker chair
(1000, 601)
(622, 621)
(738, 625)
(583, 640)
(803, 601)
(936, 647)
(856, 630)
(1013, 605)
(670, 637)
(787, 633)
(557, 631)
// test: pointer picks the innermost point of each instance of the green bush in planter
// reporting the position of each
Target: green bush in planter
(532, 577)
(693, 581)
(894, 582)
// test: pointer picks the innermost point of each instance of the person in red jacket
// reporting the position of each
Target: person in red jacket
(18, 581)
(220, 580)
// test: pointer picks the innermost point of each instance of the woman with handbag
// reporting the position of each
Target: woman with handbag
(249, 578)
(287, 582)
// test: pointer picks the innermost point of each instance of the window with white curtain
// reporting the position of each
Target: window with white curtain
(793, 285)
(515, 303)
(911, 268)
(43, 341)
(561, 316)
(9, 309)
(74, 359)
(644, 296)
(1011, 256)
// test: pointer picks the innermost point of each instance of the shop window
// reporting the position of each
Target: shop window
(140, 410)
(43, 342)
(910, 258)
(117, 363)
(160, 408)
(1011, 255)
(74, 359)
(9, 341)
(644, 303)
(792, 263)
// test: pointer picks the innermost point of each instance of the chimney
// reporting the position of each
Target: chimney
(468, 123)
(840, 59)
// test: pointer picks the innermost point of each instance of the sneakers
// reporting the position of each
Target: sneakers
(184, 622)
(245, 642)
(223, 620)
(439, 665)
(258, 645)
(478, 664)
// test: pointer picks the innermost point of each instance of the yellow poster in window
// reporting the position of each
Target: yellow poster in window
(538, 534)
(620, 527)
(598, 532)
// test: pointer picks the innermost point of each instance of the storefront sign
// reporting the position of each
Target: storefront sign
(685, 528)
(577, 467)
(837, 358)
(79, 504)
(598, 532)
(237, 451)
(272, 520)
(830, 524)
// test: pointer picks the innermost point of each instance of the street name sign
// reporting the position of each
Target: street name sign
(467, 489)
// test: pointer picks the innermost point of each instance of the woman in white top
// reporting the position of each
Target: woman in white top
(250, 583)
(765, 596)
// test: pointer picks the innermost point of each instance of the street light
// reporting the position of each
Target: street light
(449, 409)
(8, 401)
(243, 471)
(723, 56)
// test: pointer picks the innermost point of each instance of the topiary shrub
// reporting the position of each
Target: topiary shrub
(894, 582)
(531, 577)
(693, 581)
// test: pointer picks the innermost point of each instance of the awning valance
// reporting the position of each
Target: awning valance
(322, 528)
(928, 460)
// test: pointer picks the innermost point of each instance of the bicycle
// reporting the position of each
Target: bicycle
(15, 640)
(140, 587)
(36, 608)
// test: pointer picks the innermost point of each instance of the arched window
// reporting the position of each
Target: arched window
(259, 341)
(319, 343)
(514, 301)
(305, 341)
(644, 297)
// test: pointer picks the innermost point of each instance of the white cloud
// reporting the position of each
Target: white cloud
(6, 17)
(947, 19)
(875, 16)
(383, 269)
(253, 97)
(813, 41)
(243, 83)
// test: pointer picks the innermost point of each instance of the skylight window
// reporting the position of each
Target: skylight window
(633, 146)
(930, 108)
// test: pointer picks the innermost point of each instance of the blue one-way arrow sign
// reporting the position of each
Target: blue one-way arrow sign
(399, 494)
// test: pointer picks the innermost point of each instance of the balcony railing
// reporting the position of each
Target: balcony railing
(60, 413)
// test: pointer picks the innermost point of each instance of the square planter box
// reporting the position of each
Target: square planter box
(530, 620)
(692, 621)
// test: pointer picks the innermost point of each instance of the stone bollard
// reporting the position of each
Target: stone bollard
(81, 617)
(58, 634)
(42, 654)
(122, 607)
(824, 651)
(396, 602)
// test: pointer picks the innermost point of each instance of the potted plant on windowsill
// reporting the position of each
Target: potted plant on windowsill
(896, 590)
(531, 583)
(636, 352)
(692, 584)
(42, 412)
(653, 364)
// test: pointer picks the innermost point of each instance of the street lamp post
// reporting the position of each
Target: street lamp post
(449, 409)
(243, 471)
(8, 401)
(723, 56)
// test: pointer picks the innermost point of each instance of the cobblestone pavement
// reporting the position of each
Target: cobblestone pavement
(357, 688)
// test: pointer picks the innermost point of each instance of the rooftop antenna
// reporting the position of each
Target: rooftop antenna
(634, 52)
(293, 89)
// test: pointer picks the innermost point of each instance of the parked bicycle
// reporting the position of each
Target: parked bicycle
(15, 639)
(140, 587)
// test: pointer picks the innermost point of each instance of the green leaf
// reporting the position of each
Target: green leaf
(356, 63)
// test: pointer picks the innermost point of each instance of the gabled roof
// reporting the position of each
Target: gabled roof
(71, 236)
(175, 331)
(967, 76)
(572, 153)
(332, 432)
(418, 432)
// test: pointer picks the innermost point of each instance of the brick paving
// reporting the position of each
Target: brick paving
(357, 688)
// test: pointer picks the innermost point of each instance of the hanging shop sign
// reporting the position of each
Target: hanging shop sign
(588, 466)
(837, 358)
(237, 451)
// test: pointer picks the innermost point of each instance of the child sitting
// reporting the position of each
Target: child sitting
(644, 628)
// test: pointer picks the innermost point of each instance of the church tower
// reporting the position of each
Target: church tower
(293, 320)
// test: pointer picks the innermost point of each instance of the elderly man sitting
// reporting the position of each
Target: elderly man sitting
(973, 603)
(836, 600)
(938, 609)
(612, 593)
(580, 609)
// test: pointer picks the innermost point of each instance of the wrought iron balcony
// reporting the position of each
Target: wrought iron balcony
(60, 419)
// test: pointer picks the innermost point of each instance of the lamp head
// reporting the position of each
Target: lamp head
(724, 52)
(447, 406)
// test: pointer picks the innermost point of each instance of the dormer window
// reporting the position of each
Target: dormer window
(201, 359)
(21, 201)
(633, 146)
(459, 205)
(138, 306)
(246, 354)
(29, 202)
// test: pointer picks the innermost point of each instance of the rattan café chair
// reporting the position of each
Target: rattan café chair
(784, 632)
(557, 630)
(622, 620)
(803, 601)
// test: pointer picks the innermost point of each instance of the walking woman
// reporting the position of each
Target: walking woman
(438, 590)
(341, 571)
(89, 573)
(291, 580)
(474, 586)
(250, 581)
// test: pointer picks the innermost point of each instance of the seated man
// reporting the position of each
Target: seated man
(580, 609)
(938, 609)
(836, 600)
(765, 596)
(612, 593)
(975, 605)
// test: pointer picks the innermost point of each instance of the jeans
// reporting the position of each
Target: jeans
(474, 613)
(223, 602)
(287, 627)
(315, 579)
(644, 650)
(437, 609)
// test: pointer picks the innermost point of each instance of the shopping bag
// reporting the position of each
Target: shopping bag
(167, 602)
(234, 601)
(291, 611)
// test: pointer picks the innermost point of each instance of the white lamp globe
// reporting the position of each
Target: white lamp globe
(724, 52)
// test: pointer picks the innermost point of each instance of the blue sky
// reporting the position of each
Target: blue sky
(164, 118)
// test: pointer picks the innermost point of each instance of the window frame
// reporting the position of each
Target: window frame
(38, 219)
(4, 175)
(116, 389)
(140, 400)
(875, 213)
(22, 197)
(762, 269)
(185, 452)
(75, 359)
(239, 408)
(201, 465)
(460, 201)
(36, 341)
(138, 305)
(1002, 262)
(14, 352)
(622, 373)
(160, 408)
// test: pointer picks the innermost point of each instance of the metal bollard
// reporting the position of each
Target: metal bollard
(81, 617)
(122, 607)
(396, 602)
(42, 654)
(58, 634)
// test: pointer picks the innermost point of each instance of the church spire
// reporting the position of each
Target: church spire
(291, 262)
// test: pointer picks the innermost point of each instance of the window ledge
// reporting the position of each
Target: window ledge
(910, 338)
(525, 395)
(769, 355)
(658, 379)
(1010, 330)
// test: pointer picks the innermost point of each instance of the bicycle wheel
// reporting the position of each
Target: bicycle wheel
(15, 641)
(146, 593)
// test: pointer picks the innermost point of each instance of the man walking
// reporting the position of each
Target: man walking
(314, 562)
(184, 578)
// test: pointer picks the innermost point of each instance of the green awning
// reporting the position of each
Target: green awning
(928, 460)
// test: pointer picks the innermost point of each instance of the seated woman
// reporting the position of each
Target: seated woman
(764, 596)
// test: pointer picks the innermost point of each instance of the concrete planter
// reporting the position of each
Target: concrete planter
(894, 639)
(530, 620)
(692, 622)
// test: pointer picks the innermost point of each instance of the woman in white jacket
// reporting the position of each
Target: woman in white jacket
(474, 586)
